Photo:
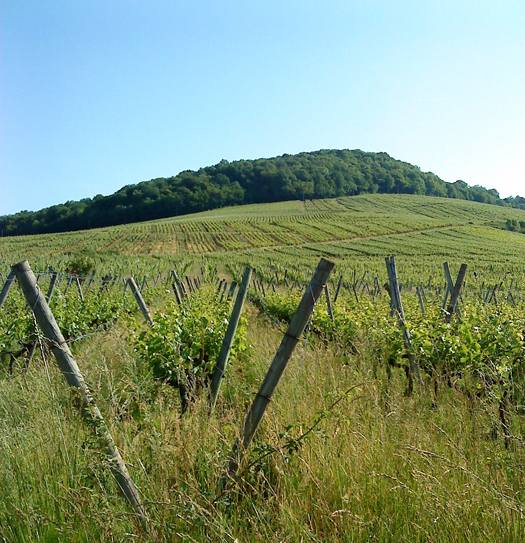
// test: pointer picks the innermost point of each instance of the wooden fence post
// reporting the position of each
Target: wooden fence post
(69, 281)
(140, 300)
(7, 287)
(224, 289)
(280, 361)
(227, 343)
(233, 287)
(144, 284)
(450, 288)
(420, 297)
(91, 279)
(77, 281)
(52, 286)
(339, 285)
(328, 302)
(180, 284)
(176, 292)
(455, 292)
(397, 306)
(69, 368)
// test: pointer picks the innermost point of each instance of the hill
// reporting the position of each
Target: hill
(305, 176)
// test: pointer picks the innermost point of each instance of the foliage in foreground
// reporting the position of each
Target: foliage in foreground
(184, 342)
(379, 466)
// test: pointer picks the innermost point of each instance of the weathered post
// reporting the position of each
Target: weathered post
(52, 286)
(355, 293)
(329, 303)
(224, 289)
(231, 292)
(144, 284)
(450, 288)
(280, 361)
(140, 300)
(261, 284)
(420, 298)
(77, 281)
(180, 284)
(227, 343)
(339, 285)
(71, 372)
(455, 292)
(219, 288)
(176, 292)
(190, 285)
(6, 288)
(397, 307)
(69, 281)
(91, 279)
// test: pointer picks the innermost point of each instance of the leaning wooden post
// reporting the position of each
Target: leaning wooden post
(339, 285)
(280, 361)
(224, 288)
(355, 292)
(231, 292)
(420, 297)
(69, 368)
(455, 292)
(69, 281)
(77, 281)
(91, 280)
(52, 286)
(328, 302)
(6, 288)
(140, 300)
(176, 292)
(227, 343)
(397, 306)
(180, 284)
(450, 288)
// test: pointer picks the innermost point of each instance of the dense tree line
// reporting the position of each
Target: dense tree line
(321, 174)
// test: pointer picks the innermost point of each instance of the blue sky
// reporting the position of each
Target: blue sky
(95, 95)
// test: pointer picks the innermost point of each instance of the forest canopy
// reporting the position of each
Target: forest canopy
(319, 174)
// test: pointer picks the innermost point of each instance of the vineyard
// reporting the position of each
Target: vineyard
(400, 416)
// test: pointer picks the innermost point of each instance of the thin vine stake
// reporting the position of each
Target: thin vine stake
(69, 368)
(280, 361)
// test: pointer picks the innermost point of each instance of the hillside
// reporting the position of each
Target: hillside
(305, 176)
(359, 230)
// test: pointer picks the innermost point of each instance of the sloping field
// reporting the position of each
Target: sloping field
(272, 226)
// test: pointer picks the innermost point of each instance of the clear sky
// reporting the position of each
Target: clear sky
(98, 94)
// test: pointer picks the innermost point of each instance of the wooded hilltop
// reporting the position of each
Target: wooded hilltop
(319, 174)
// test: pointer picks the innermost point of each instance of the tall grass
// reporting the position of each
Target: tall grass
(378, 466)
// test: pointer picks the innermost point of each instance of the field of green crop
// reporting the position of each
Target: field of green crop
(269, 226)
(351, 448)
